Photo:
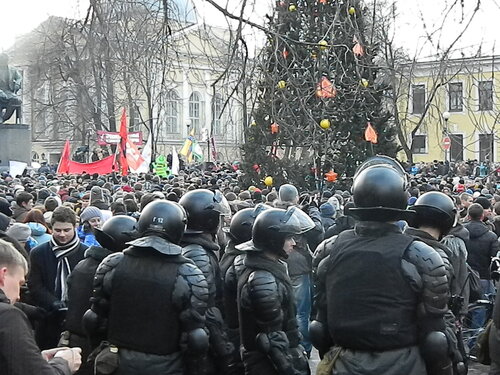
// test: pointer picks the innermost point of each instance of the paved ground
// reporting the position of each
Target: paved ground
(476, 368)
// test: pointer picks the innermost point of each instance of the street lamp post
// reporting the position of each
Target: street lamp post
(446, 116)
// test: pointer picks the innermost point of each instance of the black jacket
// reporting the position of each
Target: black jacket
(341, 224)
(19, 354)
(481, 247)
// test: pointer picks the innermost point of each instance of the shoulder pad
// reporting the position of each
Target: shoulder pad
(425, 258)
(262, 283)
(239, 264)
(110, 262)
(323, 250)
(201, 259)
(323, 269)
(192, 274)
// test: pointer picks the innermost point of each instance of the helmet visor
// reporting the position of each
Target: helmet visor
(221, 204)
(295, 221)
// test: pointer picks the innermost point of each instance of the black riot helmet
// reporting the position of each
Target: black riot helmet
(116, 232)
(384, 161)
(164, 219)
(272, 227)
(204, 208)
(435, 209)
(241, 226)
(380, 195)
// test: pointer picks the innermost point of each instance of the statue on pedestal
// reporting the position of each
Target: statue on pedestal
(10, 84)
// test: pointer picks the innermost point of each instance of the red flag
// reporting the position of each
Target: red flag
(123, 143)
(370, 134)
(65, 159)
(103, 166)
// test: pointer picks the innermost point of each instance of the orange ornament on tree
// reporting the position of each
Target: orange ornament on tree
(331, 176)
(325, 89)
(370, 134)
(275, 128)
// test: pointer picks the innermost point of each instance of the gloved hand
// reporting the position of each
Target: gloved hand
(33, 313)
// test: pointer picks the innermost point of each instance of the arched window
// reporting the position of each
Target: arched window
(217, 104)
(35, 157)
(172, 112)
(196, 112)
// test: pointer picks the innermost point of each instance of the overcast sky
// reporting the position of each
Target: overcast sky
(409, 30)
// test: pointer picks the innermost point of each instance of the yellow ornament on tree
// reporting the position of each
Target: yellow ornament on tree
(323, 44)
(325, 124)
(292, 8)
(268, 181)
(281, 84)
(352, 11)
(253, 123)
(364, 82)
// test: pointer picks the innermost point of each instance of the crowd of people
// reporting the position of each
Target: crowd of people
(198, 274)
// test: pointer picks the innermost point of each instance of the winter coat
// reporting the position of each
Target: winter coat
(341, 224)
(19, 213)
(41, 283)
(481, 247)
(39, 233)
(19, 353)
(455, 241)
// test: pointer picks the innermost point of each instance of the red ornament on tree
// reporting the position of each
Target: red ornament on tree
(285, 53)
(323, 1)
(256, 168)
(275, 128)
(325, 89)
(331, 176)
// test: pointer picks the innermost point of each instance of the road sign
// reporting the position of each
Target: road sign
(446, 143)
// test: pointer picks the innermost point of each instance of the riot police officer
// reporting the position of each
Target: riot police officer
(150, 302)
(114, 234)
(204, 209)
(435, 215)
(382, 294)
(266, 305)
(231, 264)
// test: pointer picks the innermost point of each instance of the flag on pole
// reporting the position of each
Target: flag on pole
(214, 148)
(175, 162)
(123, 143)
(146, 156)
(186, 148)
(63, 166)
(370, 134)
(134, 157)
(196, 152)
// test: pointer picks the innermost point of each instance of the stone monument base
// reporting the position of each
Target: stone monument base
(15, 143)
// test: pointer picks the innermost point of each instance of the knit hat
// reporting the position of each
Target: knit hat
(484, 202)
(96, 195)
(43, 194)
(411, 201)
(5, 207)
(4, 222)
(327, 210)
(19, 231)
(89, 213)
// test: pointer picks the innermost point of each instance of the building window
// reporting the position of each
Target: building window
(217, 105)
(485, 95)
(486, 147)
(172, 112)
(455, 97)
(418, 99)
(196, 112)
(35, 157)
(418, 145)
(457, 147)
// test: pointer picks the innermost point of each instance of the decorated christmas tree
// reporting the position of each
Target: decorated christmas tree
(319, 106)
